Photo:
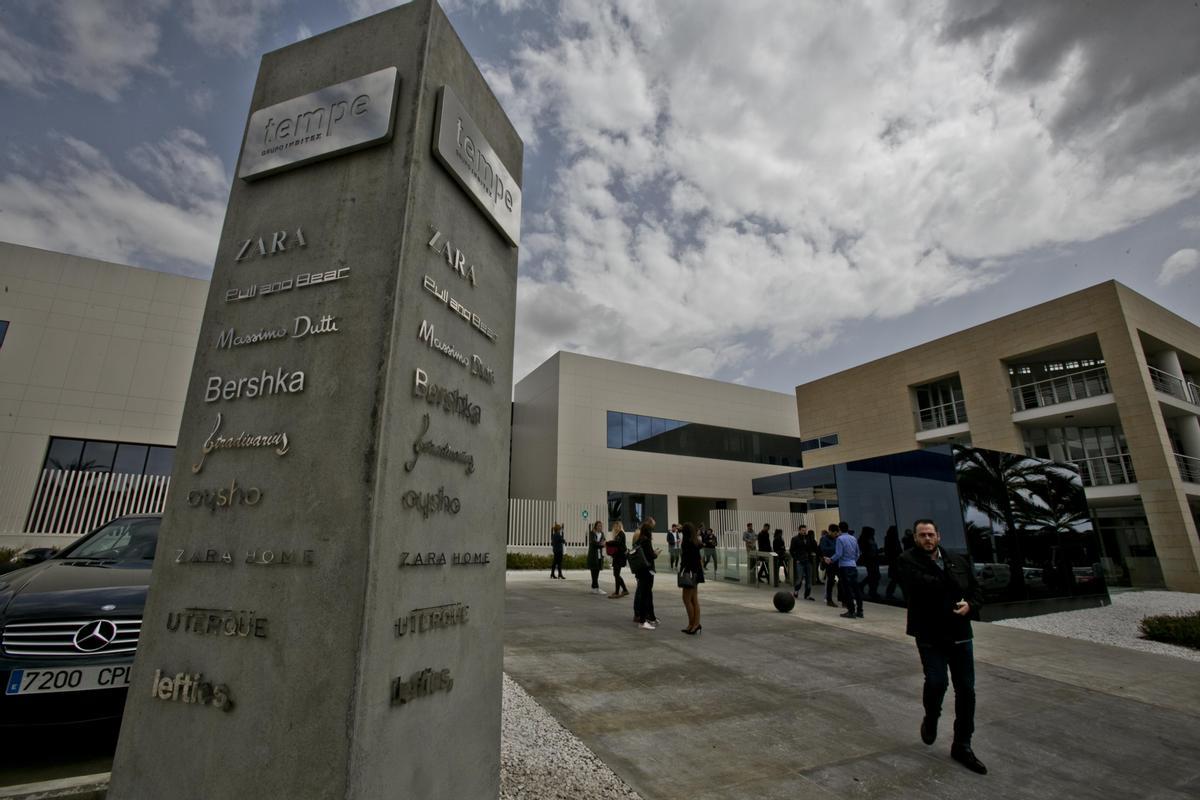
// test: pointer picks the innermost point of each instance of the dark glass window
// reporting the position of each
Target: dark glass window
(64, 454)
(131, 458)
(160, 460)
(3, 330)
(630, 508)
(101, 456)
(830, 440)
(98, 456)
(672, 437)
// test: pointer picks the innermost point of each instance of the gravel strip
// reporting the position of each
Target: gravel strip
(1117, 624)
(539, 758)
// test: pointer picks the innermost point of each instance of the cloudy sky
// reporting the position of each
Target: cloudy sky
(757, 191)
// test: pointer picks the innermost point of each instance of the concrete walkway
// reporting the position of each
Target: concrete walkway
(809, 705)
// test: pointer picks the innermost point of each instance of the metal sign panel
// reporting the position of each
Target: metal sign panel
(467, 155)
(332, 121)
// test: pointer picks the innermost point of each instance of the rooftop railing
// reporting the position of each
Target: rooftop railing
(1061, 389)
(1177, 387)
(1189, 468)
(1106, 470)
(942, 416)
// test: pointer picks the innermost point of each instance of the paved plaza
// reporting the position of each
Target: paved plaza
(810, 705)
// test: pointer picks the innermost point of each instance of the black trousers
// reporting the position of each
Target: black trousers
(959, 659)
(557, 565)
(848, 577)
(618, 581)
(596, 578)
(643, 597)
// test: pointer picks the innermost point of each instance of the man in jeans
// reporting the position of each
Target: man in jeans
(845, 558)
(827, 547)
(942, 596)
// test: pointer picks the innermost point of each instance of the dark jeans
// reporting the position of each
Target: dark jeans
(803, 576)
(848, 576)
(618, 581)
(643, 597)
(830, 574)
(960, 660)
(709, 553)
(557, 565)
(596, 578)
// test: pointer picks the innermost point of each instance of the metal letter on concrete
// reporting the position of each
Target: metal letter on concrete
(333, 703)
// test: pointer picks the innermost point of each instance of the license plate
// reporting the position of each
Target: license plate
(67, 679)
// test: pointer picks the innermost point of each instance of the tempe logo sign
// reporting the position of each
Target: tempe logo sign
(464, 151)
(338, 119)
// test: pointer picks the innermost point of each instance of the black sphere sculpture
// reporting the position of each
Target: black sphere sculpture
(784, 601)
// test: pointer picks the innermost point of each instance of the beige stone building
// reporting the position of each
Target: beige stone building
(647, 442)
(94, 363)
(1102, 377)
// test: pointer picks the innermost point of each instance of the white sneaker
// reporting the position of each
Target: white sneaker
(649, 626)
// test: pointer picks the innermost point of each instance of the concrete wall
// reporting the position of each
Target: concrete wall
(94, 350)
(534, 472)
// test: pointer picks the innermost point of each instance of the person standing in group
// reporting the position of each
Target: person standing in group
(691, 575)
(643, 572)
(828, 547)
(781, 555)
(557, 545)
(619, 557)
(764, 547)
(942, 596)
(709, 541)
(801, 562)
(845, 558)
(673, 544)
(595, 554)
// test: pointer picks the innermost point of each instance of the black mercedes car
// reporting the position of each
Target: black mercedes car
(69, 627)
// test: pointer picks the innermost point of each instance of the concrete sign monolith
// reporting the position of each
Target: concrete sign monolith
(325, 612)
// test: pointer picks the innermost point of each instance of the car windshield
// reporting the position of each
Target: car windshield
(120, 540)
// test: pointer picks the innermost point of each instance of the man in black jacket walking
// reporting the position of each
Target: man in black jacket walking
(943, 596)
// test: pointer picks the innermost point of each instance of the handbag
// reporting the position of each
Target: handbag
(637, 559)
(687, 579)
(611, 548)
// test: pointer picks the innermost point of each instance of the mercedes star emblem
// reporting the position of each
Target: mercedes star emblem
(95, 636)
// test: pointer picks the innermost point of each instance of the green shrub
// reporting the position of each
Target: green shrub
(1180, 629)
(6, 554)
(532, 561)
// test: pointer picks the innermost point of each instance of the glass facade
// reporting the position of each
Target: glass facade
(676, 438)
(100, 456)
(3, 331)
(1100, 453)
(631, 508)
(1023, 521)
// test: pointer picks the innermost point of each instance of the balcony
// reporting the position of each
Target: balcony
(1175, 387)
(1063, 389)
(1189, 468)
(941, 423)
(1106, 470)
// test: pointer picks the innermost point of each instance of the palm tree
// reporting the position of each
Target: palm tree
(990, 481)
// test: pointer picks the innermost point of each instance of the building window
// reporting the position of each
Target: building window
(940, 404)
(676, 438)
(3, 330)
(818, 442)
(99, 456)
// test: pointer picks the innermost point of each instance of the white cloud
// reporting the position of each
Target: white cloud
(1190, 223)
(80, 203)
(303, 32)
(727, 186)
(228, 25)
(98, 47)
(1180, 263)
(200, 100)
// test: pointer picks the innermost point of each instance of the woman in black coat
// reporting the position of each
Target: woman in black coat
(619, 559)
(643, 596)
(691, 570)
(557, 544)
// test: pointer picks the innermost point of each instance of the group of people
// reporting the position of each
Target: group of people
(685, 544)
(940, 590)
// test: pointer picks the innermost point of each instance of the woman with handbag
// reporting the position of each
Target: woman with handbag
(641, 561)
(595, 554)
(691, 575)
(618, 550)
